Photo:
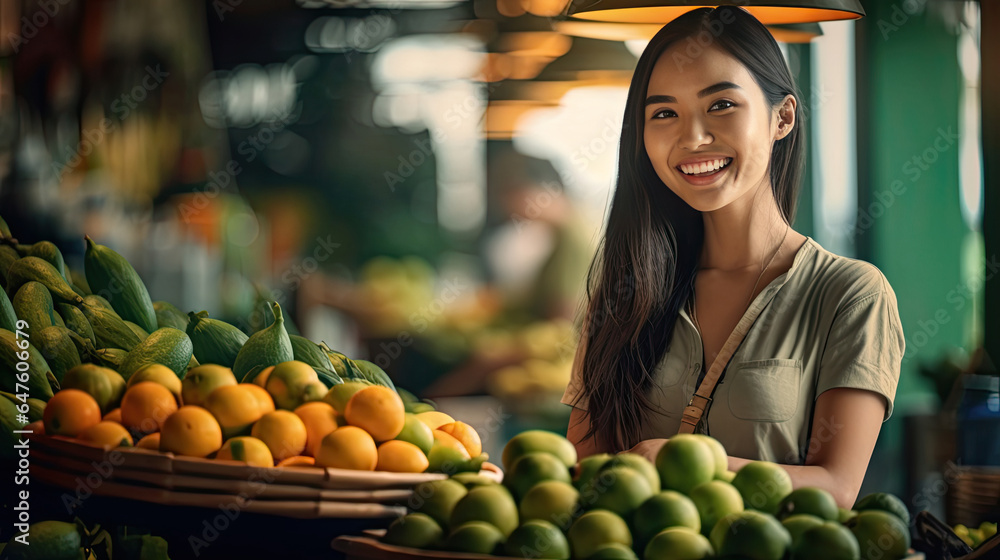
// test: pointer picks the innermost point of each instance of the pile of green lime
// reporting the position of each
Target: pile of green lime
(976, 535)
(687, 505)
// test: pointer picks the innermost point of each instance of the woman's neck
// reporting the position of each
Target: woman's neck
(742, 235)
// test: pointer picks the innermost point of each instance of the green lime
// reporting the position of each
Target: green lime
(664, 510)
(596, 529)
(880, 535)
(618, 489)
(538, 440)
(613, 551)
(721, 458)
(492, 504)
(799, 523)
(639, 463)
(684, 462)
(446, 459)
(536, 538)
(715, 499)
(474, 536)
(814, 501)
(588, 467)
(828, 541)
(416, 530)
(51, 540)
(339, 394)
(678, 543)
(551, 500)
(763, 485)
(531, 468)
(885, 502)
(437, 498)
(750, 534)
(416, 432)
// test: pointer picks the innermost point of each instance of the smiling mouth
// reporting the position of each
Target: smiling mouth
(708, 172)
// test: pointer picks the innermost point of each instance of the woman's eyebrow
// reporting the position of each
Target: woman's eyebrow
(715, 88)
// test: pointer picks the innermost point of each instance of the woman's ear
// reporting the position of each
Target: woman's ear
(786, 117)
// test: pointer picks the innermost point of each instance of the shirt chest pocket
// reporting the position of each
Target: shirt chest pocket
(764, 390)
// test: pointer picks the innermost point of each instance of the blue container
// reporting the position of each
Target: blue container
(979, 421)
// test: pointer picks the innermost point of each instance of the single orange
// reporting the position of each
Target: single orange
(261, 379)
(146, 406)
(264, 400)
(378, 410)
(250, 450)
(107, 435)
(36, 427)
(200, 381)
(349, 447)
(320, 419)
(447, 440)
(465, 434)
(298, 461)
(157, 373)
(294, 383)
(70, 412)
(191, 431)
(150, 441)
(283, 432)
(236, 407)
(401, 456)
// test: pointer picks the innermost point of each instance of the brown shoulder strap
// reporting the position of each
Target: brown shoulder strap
(703, 395)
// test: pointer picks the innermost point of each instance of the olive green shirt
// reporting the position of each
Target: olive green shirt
(828, 322)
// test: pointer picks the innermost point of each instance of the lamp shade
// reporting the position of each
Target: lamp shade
(591, 58)
(517, 48)
(613, 31)
(663, 11)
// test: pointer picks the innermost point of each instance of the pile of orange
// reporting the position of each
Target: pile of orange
(282, 418)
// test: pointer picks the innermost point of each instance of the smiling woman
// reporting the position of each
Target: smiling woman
(700, 270)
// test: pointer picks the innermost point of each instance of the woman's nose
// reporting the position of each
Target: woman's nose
(694, 134)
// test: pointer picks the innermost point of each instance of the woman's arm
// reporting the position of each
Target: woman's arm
(579, 423)
(846, 423)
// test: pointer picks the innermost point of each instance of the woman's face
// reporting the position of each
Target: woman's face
(708, 128)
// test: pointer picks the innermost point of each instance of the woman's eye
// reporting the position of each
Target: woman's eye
(721, 104)
(663, 113)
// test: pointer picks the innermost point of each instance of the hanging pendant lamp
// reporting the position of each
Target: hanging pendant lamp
(516, 48)
(663, 11)
(612, 31)
(589, 63)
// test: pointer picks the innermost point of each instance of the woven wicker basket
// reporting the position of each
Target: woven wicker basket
(973, 496)
(167, 479)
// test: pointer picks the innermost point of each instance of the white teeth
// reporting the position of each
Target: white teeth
(713, 165)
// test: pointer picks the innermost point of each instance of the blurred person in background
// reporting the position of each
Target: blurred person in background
(538, 256)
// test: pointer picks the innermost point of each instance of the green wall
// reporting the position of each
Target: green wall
(908, 96)
(800, 64)
(910, 223)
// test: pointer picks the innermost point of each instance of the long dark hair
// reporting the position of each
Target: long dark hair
(646, 266)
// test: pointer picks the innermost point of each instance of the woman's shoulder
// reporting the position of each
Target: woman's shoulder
(853, 279)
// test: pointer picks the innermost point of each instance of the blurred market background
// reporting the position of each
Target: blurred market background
(422, 183)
